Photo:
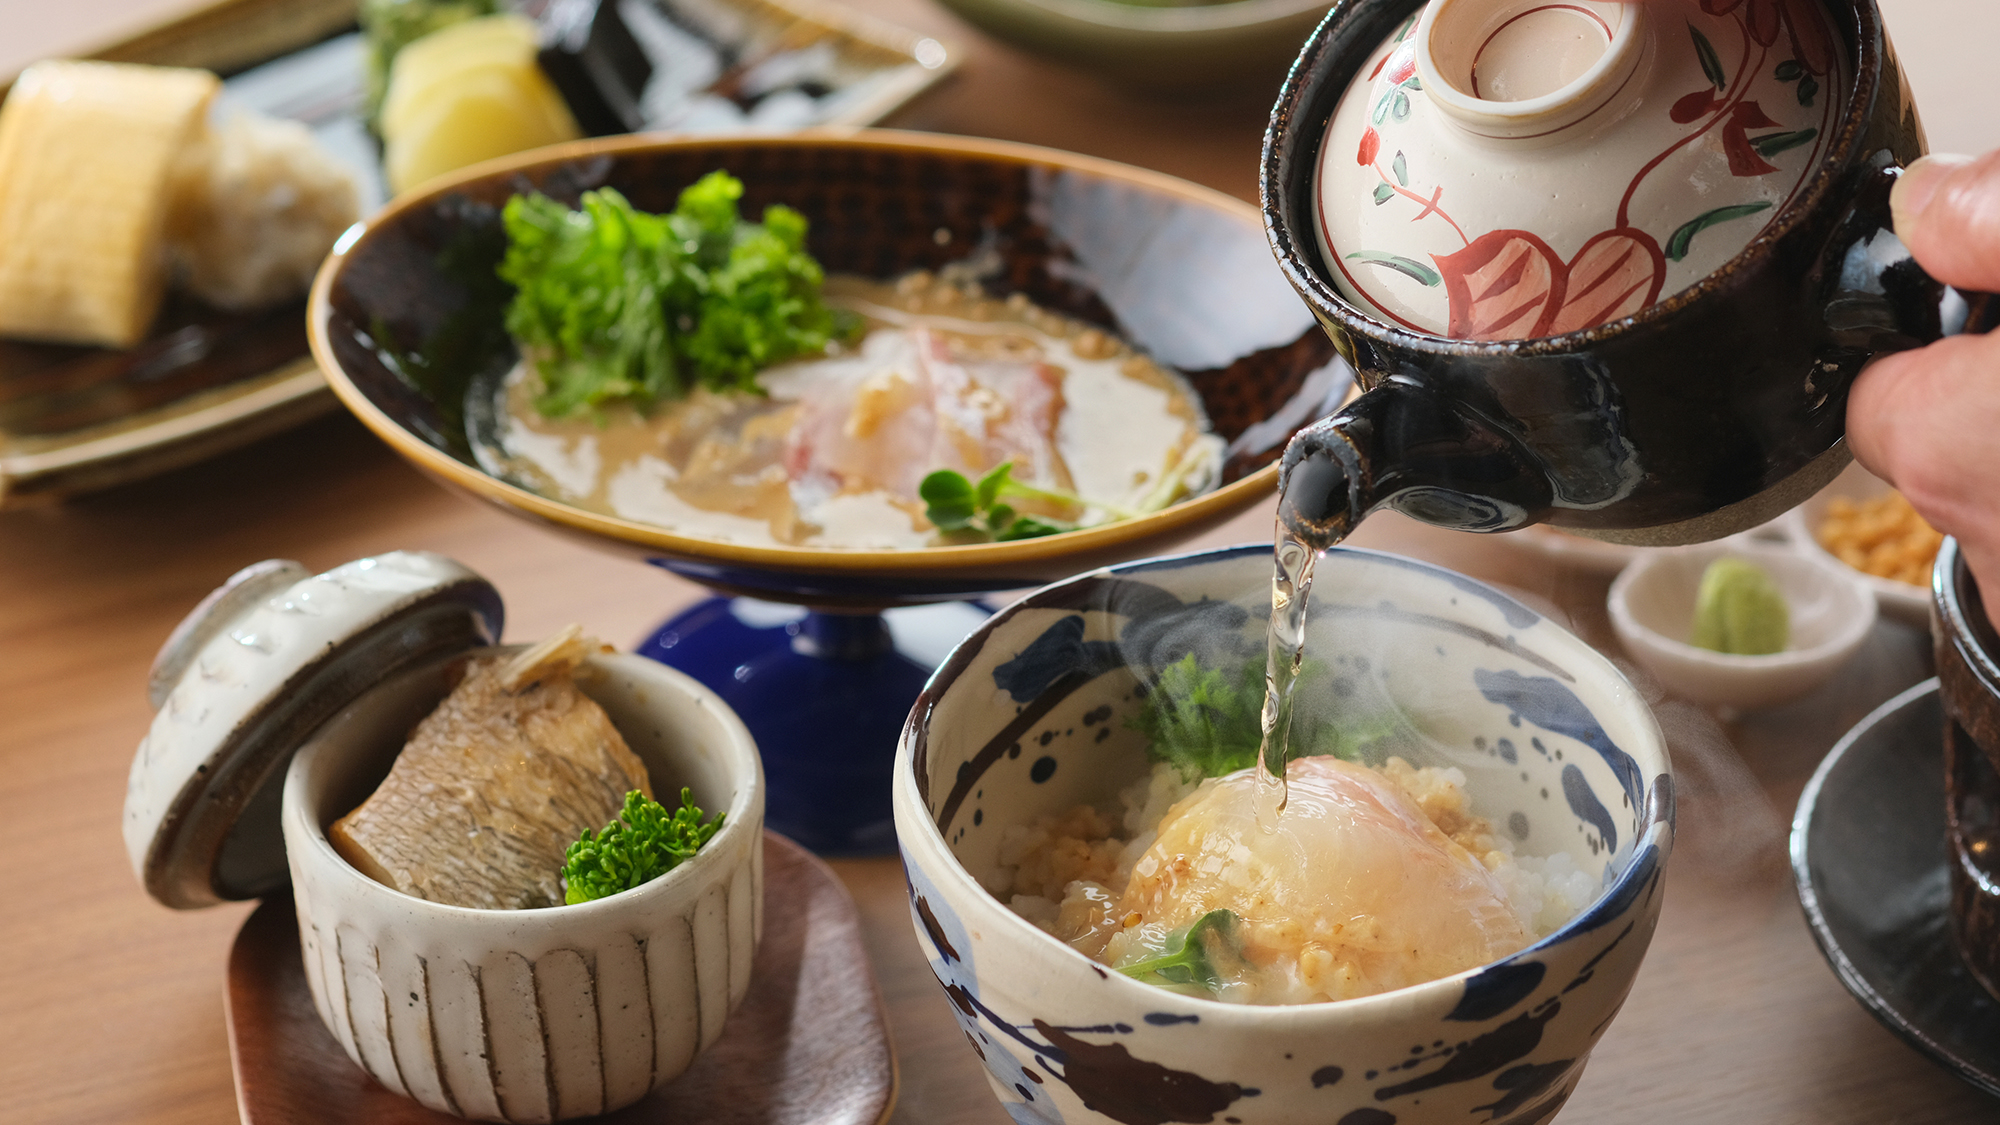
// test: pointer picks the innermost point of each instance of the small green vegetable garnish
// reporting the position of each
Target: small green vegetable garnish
(1210, 939)
(1739, 610)
(644, 843)
(613, 303)
(1206, 722)
(978, 511)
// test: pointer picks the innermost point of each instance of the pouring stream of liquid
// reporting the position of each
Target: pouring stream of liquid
(1315, 512)
(1285, 646)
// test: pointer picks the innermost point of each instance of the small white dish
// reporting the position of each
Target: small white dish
(532, 1015)
(1898, 601)
(1652, 609)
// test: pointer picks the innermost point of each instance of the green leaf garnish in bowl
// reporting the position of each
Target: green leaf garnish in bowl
(644, 843)
(613, 303)
(1191, 959)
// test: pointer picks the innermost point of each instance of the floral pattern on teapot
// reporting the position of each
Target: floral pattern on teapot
(1596, 218)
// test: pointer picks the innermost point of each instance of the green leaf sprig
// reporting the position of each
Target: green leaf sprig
(616, 304)
(644, 843)
(1203, 721)
(980, 511)
(1206, 722)
(1195, 959)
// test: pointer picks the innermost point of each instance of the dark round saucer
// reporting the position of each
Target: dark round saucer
(1868, 851)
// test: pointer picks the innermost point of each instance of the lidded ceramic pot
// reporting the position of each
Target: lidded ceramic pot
(284, 698)
(1651, 342)
(1511, 169)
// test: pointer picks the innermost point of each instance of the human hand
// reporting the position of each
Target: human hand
(1928, 421)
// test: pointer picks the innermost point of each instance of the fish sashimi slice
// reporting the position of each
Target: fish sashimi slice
(495, 784)
(864, 421)
(1353, 891)
(916, 400)
(995, 403)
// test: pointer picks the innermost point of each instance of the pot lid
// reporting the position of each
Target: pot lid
(1512, 169)
(247, 677)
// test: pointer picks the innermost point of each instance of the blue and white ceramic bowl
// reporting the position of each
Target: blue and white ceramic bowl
(1029, 717)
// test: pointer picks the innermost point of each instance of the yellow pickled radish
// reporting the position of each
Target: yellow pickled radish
(467, 93)
(1740, 610)
(485, 115)
(425, 67)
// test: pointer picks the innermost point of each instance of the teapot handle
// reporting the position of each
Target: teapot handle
(1405, 445)
(1982, 311)
(1880, 269)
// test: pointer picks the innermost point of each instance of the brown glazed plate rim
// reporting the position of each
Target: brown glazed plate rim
(1298, 258)
(957, 559)
(1926, 1022)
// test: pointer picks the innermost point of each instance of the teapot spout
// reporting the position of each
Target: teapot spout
(1407, 446)
(1322, 489)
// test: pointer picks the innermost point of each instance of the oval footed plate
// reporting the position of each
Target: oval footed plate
(1868, 851)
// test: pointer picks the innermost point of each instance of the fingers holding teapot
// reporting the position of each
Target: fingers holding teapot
(1924, 419)
(1947, 212)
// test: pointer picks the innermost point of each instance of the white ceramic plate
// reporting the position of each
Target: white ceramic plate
(1652, 605)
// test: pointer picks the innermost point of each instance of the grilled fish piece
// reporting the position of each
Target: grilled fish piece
(495, 784)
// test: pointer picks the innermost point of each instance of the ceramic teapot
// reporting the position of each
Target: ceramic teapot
(1607, 266)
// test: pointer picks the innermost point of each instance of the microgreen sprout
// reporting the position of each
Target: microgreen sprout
(958, 505)
(1212, 937)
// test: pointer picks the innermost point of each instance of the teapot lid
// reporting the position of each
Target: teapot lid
(1511, 169)
(243, 681)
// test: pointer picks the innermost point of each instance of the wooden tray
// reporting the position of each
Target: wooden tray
(810, 1043)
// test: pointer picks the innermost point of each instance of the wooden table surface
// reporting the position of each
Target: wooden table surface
(110, 1006)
